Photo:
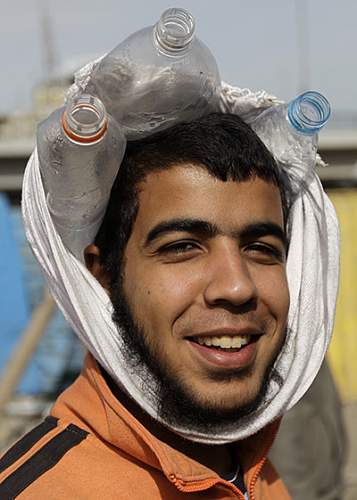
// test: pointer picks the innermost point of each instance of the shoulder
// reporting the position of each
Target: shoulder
(58, 460)
(37, 453)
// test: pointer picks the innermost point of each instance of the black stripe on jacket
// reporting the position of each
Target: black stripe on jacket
(27, 442)
(40, 462)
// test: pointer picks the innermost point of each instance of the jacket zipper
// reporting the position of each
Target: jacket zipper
(260, 466)
(198, 486)
(180, 485)
(254, 479)
(203, 485)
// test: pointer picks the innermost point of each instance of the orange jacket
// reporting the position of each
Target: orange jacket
(91, 448)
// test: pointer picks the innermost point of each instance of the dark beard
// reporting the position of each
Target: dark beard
(175, 404)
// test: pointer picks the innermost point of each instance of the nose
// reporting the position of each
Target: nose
(229, 281)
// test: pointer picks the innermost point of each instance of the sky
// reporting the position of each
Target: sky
(282, 46)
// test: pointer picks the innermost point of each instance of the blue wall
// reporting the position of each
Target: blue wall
(22, 286)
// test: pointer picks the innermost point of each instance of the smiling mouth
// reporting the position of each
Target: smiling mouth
(226, 343)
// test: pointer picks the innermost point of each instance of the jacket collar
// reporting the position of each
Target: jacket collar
(91, 405)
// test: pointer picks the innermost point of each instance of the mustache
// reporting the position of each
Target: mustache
(187, 325)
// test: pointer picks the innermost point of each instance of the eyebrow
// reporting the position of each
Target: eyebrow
(196, 226)
(209, 230)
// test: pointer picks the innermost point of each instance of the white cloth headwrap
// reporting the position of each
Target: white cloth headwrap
(312, 269)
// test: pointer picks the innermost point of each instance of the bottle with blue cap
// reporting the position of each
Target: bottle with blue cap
(290, 132)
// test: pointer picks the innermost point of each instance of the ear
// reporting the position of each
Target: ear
(94, 265)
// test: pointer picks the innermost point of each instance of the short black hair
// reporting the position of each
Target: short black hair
(221, 143)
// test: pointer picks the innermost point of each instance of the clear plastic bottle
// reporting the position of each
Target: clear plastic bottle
(290, 132)
(80, 148)
(158, 76)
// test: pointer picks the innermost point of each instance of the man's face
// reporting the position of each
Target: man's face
(205, 282)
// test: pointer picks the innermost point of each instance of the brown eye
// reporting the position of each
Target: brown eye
(265, 253)
(179, 251)
(179, 247)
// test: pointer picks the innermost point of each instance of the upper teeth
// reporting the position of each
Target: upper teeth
(225, 341)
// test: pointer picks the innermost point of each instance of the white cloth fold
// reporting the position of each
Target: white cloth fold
(312, 269)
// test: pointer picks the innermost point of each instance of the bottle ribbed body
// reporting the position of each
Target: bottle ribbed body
(158, 76)
(78, 176)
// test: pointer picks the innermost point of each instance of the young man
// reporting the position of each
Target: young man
(183, 399)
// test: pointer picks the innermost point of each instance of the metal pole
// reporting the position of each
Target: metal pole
(24, 349)
(303, 44)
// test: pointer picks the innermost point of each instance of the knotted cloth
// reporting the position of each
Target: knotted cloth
(312, 269)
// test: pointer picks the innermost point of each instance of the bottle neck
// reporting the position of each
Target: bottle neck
(174, 31)
(308, 112)
(85, 120)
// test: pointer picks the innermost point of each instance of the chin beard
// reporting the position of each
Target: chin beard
(175, 404)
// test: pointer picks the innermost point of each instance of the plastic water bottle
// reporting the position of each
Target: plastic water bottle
(80, 148)
(290, 132)
(158, 76)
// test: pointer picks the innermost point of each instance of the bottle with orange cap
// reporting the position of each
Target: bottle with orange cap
(80, 148)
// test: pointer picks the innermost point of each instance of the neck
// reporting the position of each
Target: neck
(215, 457)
